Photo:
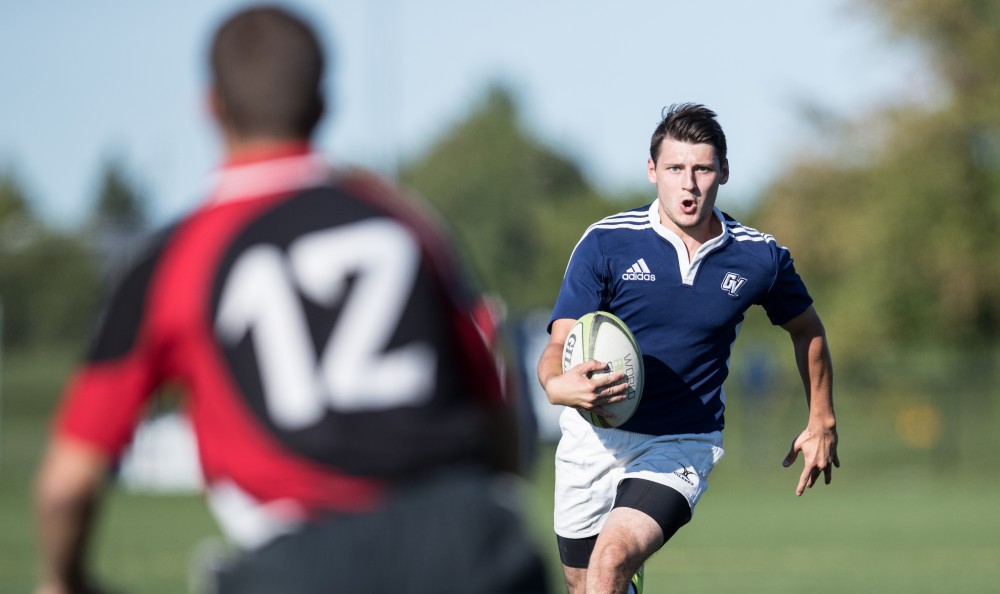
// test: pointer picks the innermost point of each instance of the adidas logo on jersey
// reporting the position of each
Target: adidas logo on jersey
(639, 271)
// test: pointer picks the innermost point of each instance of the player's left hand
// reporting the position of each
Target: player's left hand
(819, 454)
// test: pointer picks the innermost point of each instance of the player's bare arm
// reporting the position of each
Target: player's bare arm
(67, 488)
(818, 441)
(576, 388)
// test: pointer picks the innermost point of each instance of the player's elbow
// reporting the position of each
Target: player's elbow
(806, 326)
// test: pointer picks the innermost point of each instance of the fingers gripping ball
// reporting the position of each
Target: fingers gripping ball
(602, 336)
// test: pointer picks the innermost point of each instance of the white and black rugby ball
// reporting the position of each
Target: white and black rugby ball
(602, 336)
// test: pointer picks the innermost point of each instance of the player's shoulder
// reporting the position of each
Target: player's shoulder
(389, 198)
(635, 219)
(412, 210)
(752, 240)
(142, 255)
(130, 281)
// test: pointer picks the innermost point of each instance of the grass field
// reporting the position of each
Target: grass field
(923, 521)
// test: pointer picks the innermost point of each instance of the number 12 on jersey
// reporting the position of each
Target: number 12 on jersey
(371, 267)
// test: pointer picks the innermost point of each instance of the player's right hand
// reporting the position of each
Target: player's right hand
(588, 387)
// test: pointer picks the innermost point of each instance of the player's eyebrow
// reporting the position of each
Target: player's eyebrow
(710, 164)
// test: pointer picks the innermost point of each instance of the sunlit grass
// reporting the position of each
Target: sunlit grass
(895, 519)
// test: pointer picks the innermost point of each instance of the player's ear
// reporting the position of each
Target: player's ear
(216, 107)
(319, 110)
(725, 172)
(651, 170)
(219, 112)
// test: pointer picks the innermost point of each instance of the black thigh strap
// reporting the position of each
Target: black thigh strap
(575, 552)
(667, 507)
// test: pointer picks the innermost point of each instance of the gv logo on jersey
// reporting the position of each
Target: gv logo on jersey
(639, 271)
(733, 283)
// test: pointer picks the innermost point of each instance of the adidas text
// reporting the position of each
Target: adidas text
(641, 276)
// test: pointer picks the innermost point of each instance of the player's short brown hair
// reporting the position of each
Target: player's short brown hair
(692, 123)
(267, 68)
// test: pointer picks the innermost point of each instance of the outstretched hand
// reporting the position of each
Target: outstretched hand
(819, 455)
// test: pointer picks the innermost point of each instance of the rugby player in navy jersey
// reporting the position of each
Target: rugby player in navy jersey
(351, 420)
(621, 493)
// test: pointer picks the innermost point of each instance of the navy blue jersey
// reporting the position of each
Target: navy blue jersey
(685, 315)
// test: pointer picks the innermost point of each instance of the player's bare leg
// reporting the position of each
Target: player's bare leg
(576, 579)
(628, 538)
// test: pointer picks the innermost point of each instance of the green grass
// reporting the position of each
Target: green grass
(897, 531)
(894, 519)
(873, 534)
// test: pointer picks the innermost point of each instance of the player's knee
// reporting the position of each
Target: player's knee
(611, 556)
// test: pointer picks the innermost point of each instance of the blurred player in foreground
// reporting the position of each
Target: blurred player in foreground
(681, 274)
(350, 416)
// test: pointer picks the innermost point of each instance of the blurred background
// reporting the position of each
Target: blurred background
(864, 135)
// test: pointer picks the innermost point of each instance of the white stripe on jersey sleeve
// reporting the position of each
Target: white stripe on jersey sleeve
(744, 233)
(636, 221)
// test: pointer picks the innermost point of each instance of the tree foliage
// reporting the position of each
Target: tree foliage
(18, 224)
(961, 36)
(13, 201)
(896, 226)
(48, 281)
(516, 206)
(119, 205)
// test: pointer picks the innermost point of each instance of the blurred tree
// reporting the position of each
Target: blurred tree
(49, 290)
(12, 198)
(47, 279)
(18, 224)
(962, 38)
(894, 222)
(119, 204)
(517, 206)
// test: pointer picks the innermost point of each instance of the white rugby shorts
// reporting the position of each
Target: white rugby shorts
(591, 461)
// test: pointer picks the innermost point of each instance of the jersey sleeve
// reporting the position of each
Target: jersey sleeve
(584, 286)
(787, 296)
(106, 397)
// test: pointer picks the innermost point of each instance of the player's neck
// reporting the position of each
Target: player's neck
(694, 236)
(258, 148)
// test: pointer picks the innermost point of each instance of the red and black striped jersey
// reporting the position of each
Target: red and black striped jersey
(321, 328)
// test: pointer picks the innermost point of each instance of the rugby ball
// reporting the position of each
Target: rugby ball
(602, 336)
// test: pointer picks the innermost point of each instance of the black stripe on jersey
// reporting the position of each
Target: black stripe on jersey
(119, 324)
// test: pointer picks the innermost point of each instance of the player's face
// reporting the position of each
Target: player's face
(687, 178)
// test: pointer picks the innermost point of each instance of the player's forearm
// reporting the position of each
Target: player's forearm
(62, 529)
(549, 367)
(816, 368)
(812, 357)
(67, 491)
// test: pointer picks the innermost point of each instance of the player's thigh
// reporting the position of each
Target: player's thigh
(628, 538)
(679, 462)
(666, 506)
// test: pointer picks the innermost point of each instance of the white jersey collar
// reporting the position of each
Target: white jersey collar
(688, 268)
(268, 177)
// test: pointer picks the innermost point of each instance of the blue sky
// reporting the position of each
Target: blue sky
(84, 82)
